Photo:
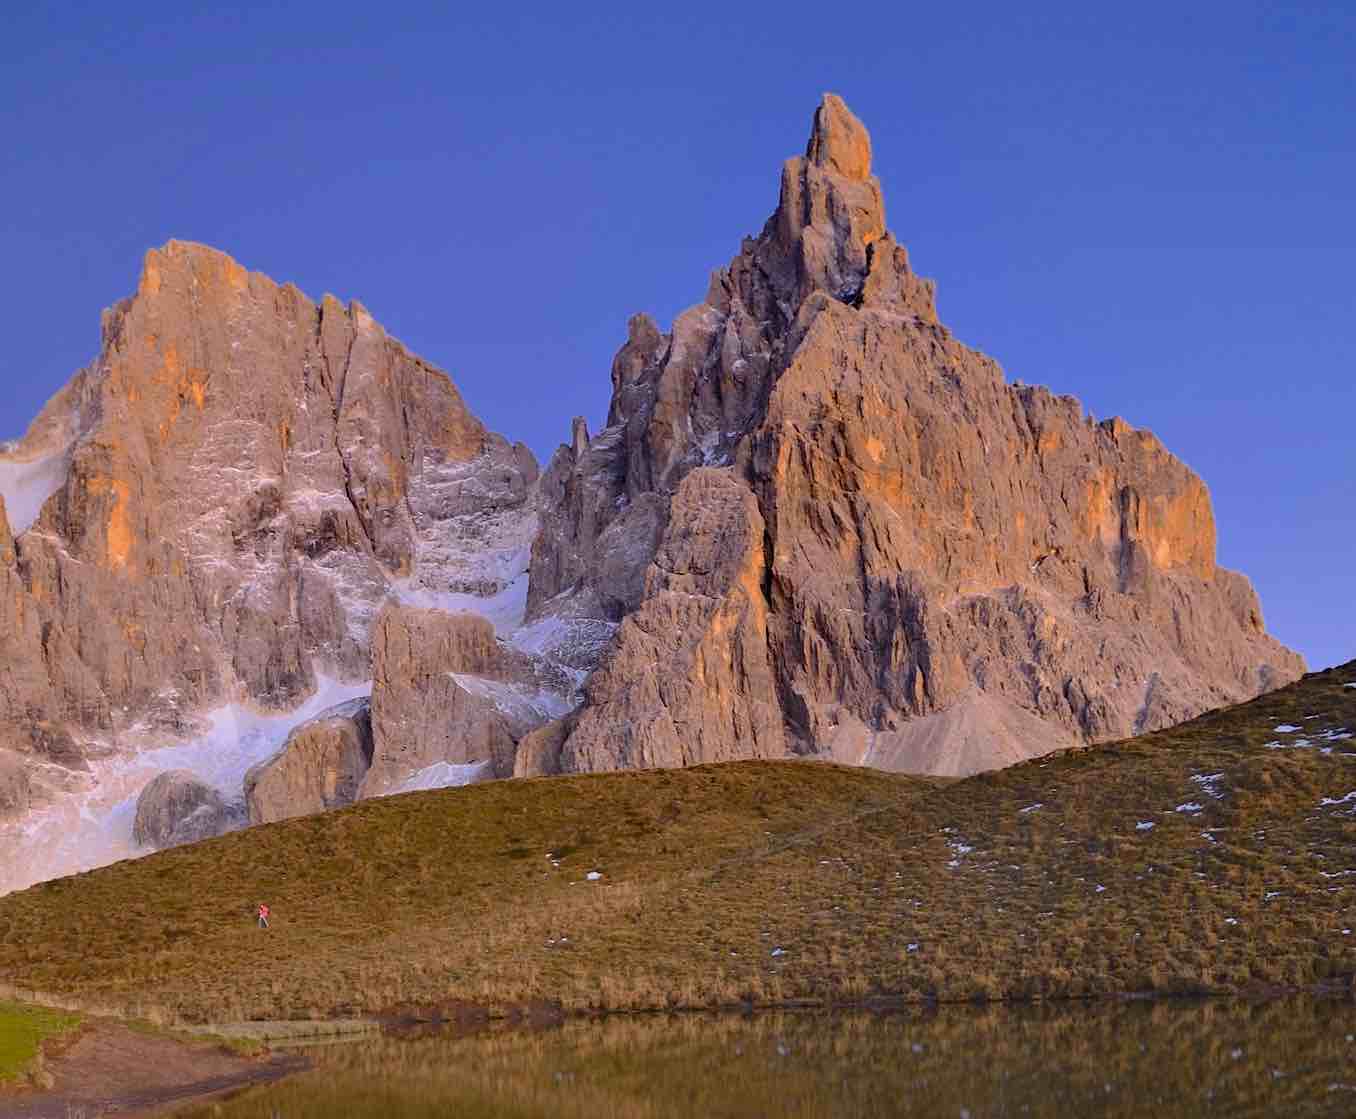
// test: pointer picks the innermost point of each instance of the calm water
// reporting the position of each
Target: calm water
(1294, 1057)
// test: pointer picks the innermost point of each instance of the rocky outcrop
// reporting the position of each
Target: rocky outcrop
(177, 808)
(447, 691)
(689, 680)
(219, 504)
(320, 766)
(833, 530)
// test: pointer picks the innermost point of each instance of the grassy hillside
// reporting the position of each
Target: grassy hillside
(1218, 855)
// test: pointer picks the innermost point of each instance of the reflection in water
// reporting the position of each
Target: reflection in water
(1294, 1057)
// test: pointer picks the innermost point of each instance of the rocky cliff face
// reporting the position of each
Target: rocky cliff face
(447, 691)
(216, 508)
(814, 524)
(828, 528)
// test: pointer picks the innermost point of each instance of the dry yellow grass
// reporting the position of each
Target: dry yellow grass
(755, 882)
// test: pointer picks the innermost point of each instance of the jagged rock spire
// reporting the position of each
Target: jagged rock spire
(838, 140)
(827, 527)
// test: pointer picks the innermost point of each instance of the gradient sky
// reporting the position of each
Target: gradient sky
(1151, 206)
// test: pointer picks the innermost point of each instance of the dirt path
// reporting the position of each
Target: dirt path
(112, 1070)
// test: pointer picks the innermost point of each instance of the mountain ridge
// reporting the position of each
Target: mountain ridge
(991, 537)
(814, 524)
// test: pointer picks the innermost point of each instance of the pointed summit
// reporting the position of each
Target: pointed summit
(839, 142)
(820, 525)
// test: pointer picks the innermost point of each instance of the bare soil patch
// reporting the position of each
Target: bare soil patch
(111, 1069)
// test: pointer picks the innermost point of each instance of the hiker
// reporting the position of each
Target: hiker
(263, 916)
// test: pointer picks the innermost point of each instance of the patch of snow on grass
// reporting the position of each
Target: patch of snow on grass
(958, 848)
(1144, 825)
(1031, 807)
(1209, 783)
(1327, 802)
(1298, 744)
(1285, 728)
(1190, 807)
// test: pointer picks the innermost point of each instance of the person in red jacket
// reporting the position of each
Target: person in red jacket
(263, 916)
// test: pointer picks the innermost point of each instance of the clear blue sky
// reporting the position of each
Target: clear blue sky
(1151, 206)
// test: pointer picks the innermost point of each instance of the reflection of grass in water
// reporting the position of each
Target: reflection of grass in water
(1032, 881)
(1111, 1059)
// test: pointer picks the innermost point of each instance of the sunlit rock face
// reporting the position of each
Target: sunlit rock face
(208, 518)
(244, 473)
(828, 528)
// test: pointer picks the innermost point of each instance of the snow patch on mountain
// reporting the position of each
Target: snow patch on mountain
(517, 701)
(26, 486)
(504, 610)
(91, 826)
(444, 775)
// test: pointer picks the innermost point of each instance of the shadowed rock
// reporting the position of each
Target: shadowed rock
(15, 792)
(447, 691)
(178, 808)
(320, 766)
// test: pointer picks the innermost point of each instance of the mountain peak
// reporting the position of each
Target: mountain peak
(206, 265)
(839, 142)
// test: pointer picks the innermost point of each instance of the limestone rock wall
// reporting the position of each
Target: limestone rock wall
(833, 530)
(243, 476)
(446, 691)
(814, 523)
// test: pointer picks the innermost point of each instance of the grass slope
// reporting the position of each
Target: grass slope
(760, 881)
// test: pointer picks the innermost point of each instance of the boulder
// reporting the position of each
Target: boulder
(320, 766)
(177, 808)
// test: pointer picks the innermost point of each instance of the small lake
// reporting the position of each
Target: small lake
(1290, 1057)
